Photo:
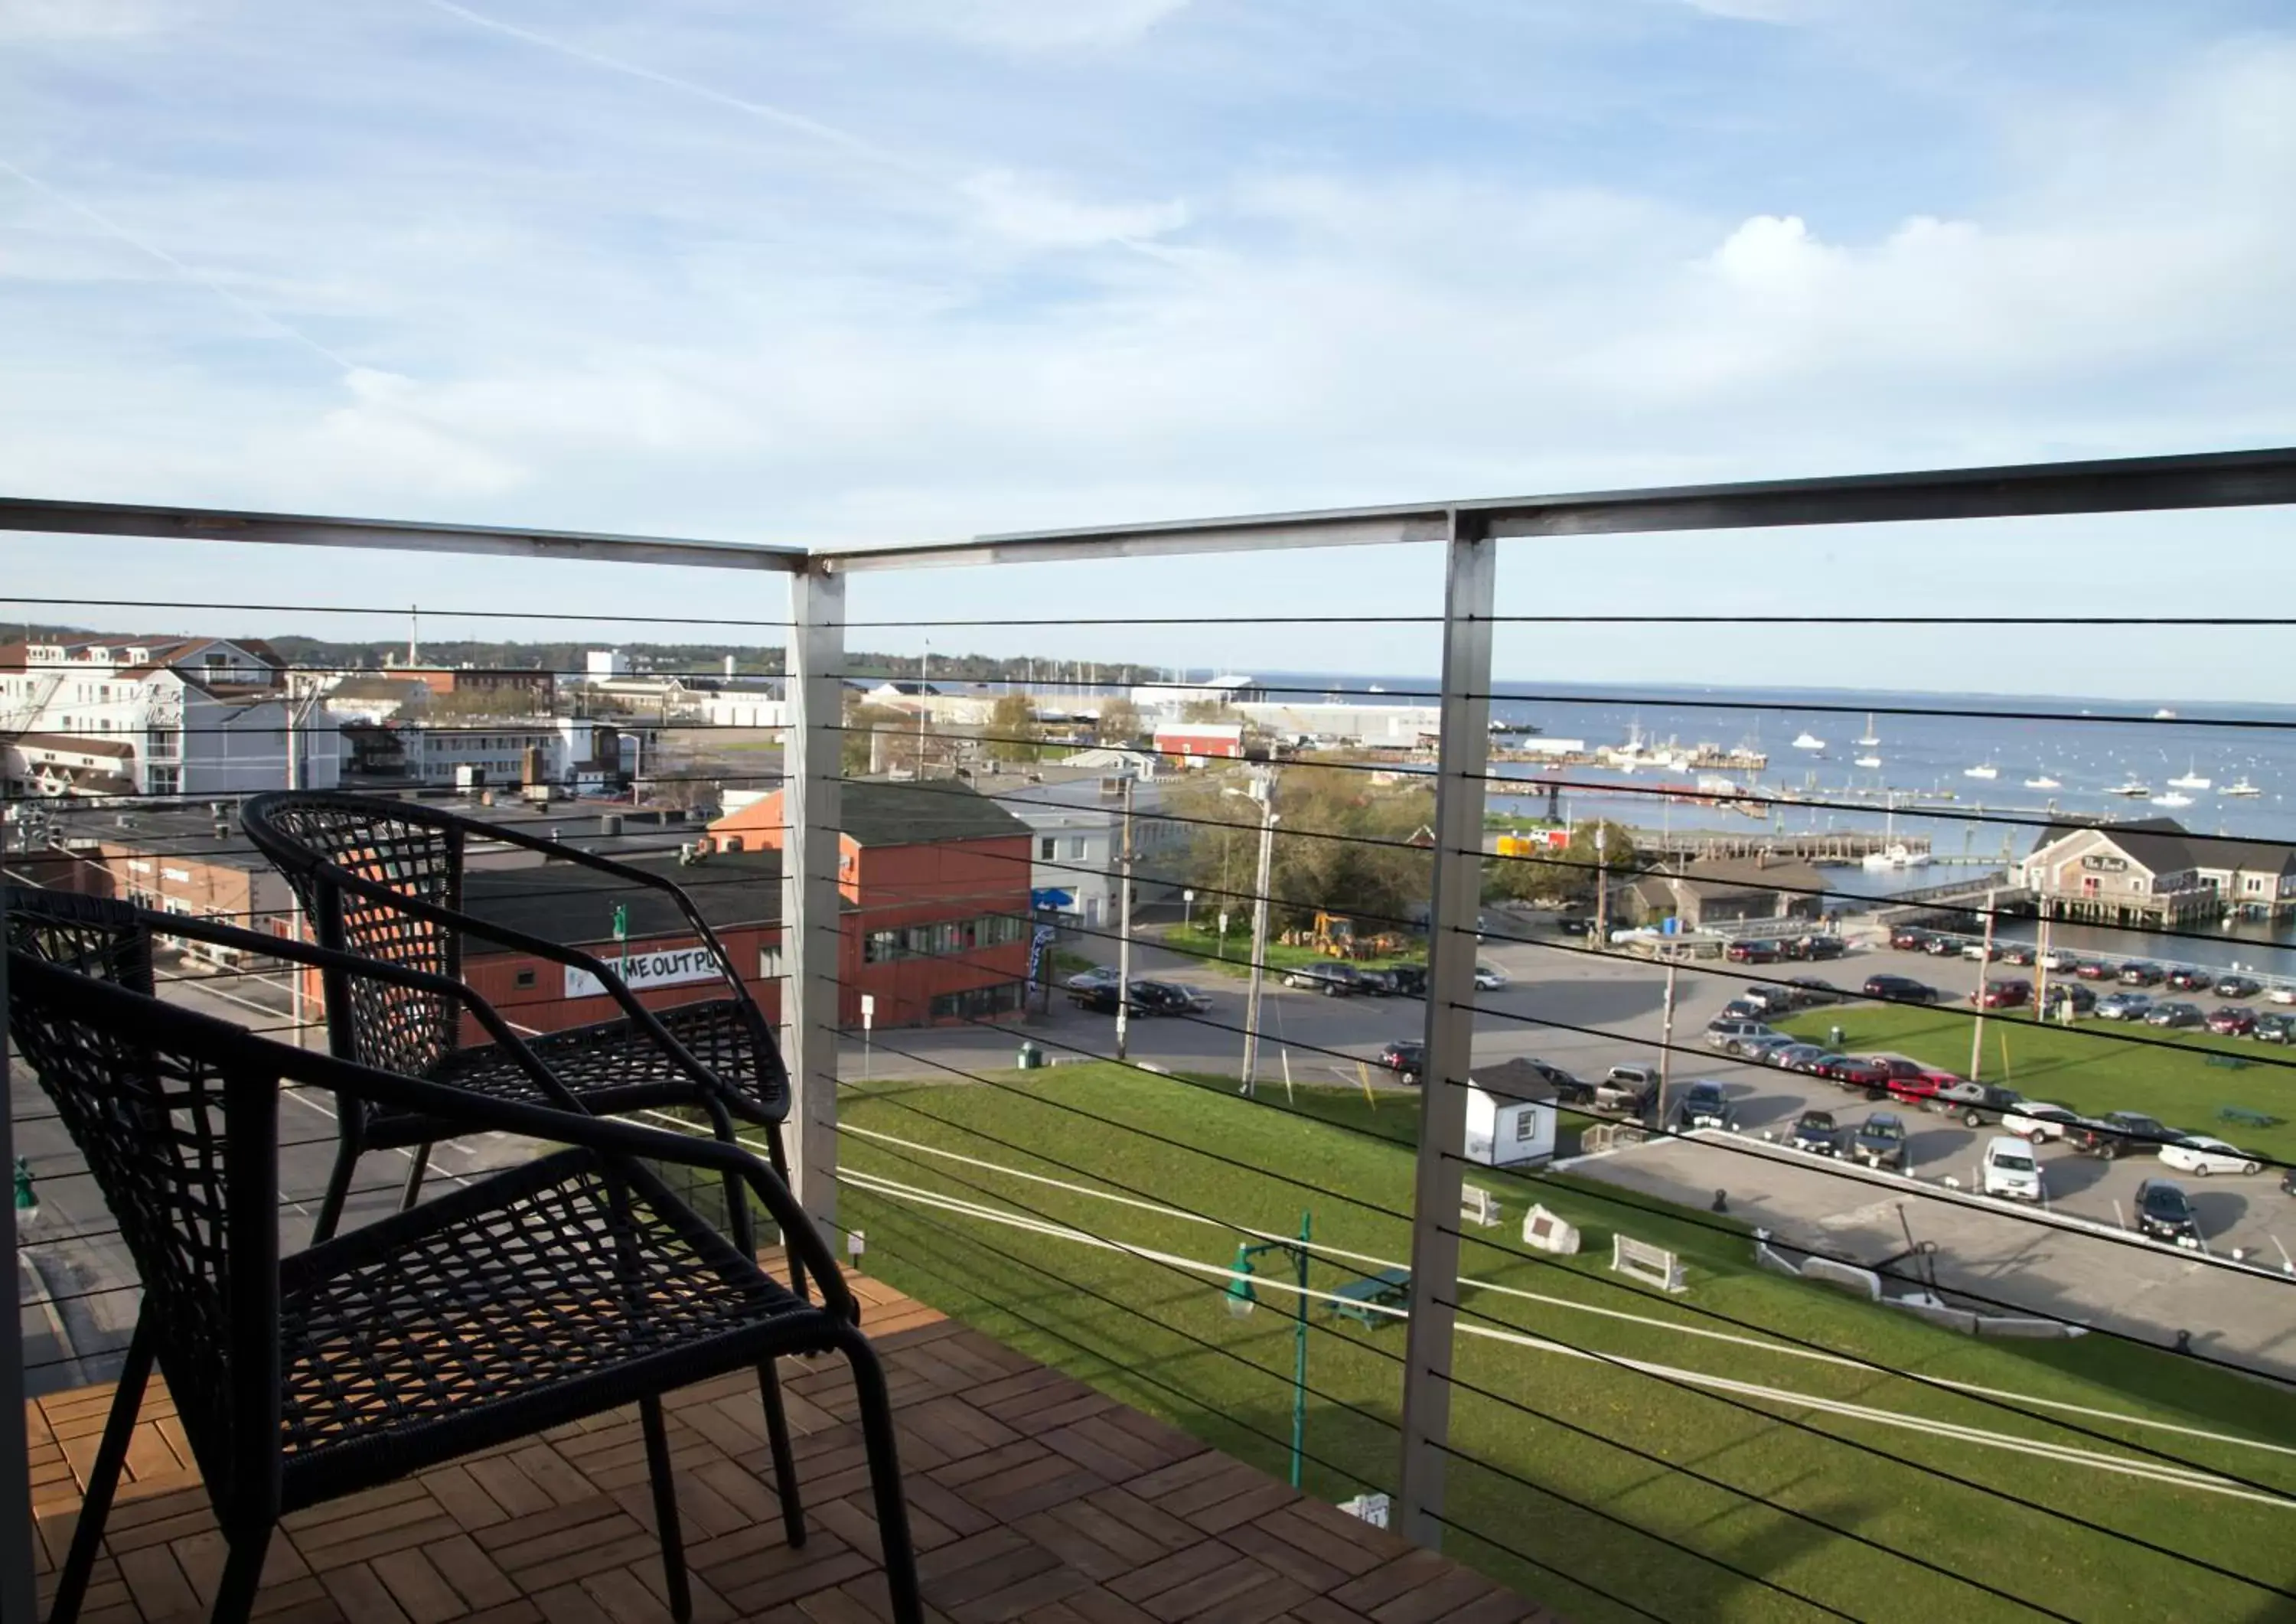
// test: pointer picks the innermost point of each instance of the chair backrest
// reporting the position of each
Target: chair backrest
(176, 1115)
(317, 841)
(93, 935)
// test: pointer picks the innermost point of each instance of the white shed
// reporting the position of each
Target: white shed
(1507, 1126)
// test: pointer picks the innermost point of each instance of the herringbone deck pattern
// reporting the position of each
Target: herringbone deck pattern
(1035, 1499)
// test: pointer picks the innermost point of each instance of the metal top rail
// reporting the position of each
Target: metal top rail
(2222, 478)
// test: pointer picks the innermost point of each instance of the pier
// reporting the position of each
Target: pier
(1832, 846)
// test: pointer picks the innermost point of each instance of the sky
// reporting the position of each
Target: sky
(905, 270)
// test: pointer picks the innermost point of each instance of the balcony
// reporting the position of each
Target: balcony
(1142, 1265)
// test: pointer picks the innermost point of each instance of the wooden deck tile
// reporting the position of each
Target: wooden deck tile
(1033, 1498)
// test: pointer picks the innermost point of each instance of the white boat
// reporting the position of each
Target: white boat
(1896, 856)
(2190, 779)
(1869, 761)
(2132, 790)
(2164, 715)
(2172, 799)
(2243, 788)
(1983, 769)
(2043, 782)
(1809, 741)
(1870, 738)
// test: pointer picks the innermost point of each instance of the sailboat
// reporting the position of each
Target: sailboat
(1807, 740)
(2043, 782)
(2132, 789)
(2174, 798)
(1870, 738)
(2190, 780)
(1983, 769)
(1869, 761)
(2244, 788)
(1897, 854)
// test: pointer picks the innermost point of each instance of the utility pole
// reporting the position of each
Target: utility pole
(1266, 787)
(924, 671)
(1977, 1027)
(1666, 1044)
(2041, 965)
(1124, 929)
(1601, 890)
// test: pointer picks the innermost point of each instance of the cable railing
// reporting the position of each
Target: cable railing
(1532, 1250)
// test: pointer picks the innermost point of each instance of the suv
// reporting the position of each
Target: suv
(2236, 987)
(1629, 1089)
(2120, 1133)
(2141, 973)
(1909, 941)
(1880, 1142)
(2007, 994)
(1406, 1057)
(1900, 990)
(1333, 980)
(1851, 1071)
(2081, 998)
(1768, 1000)
(2164, 1212)
(1754, 953)
(1975, 1104)
(2010, 1169)
(1704, 1105)
(1727, 1035)
(2188, 979)
(1817, 1132)
(1401, 981)
(2123, 1006)
(1812, 948)
(1811, 992)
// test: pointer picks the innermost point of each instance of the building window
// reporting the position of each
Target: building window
(1526, 1124)
(523, 979)
(732, 842)
(1047, 848)
(880, 946)
(1076, 848)
(978, 1001)
(164, 780)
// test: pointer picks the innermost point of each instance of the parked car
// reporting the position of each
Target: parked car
(1406, 980)
(2275, 1029)
(1704, 1104)
(2017, 952)
(1630, 1087)
(1979, 951)
(1334, 980)
(1726, 1035)
(2164, 1212)
(1811, 993)
(2123, 1006)
(2061, 993)
(2009, 1168)
(1144, 998)
(1796, 1057)
(1812, 948)
(1742, 1009)
(1900, 990)
(1881, 1141)
(1942, 947)
(1853, 1071)
(1817, 1132)
(2280, 995)
(2237, 986)
(2172, 1012)
(1488, 977)
(2036, 1121)
(1099, 975)
(2231, 1021)
(2004, 994)
(1909, 941)
(1762, 1048)
(1406, 1057)
(1978, 1103)
(2095, 969)
(2056, 961)
(1163, 998)
(1922, 1088)
(1574, 924)
(1754, 953)
(2121, 1133)
(1897, 1066)
(2201, 1155)
(2141, 973)
(1768, 999)
(2185, 978)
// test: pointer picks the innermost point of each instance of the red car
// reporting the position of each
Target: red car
(1922, 1088)
(2094, 970)
(1752, 952)
(2004, 995)
(1852, 1072)
(2231, 1022)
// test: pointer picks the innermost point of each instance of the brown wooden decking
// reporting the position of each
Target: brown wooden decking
(1034, 1498)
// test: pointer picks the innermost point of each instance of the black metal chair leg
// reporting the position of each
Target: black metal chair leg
(665, 1511)
(243, 1571)
(778, 1160)
(419, 1161)
(338, 1189)
(885, 1478)
(103, 1477)
(777, 1433)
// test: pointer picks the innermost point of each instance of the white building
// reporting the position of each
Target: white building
(599, 664)
(1226, 690)
(1503, 1128)
(172, 716)
(1076, 821)
(1393, 727)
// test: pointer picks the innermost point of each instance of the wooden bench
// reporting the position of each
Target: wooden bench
(2246, 1117)
(1361, 1299)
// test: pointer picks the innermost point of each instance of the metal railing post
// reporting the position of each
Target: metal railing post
(1470, 578)
(812, 762)
(16, 1596)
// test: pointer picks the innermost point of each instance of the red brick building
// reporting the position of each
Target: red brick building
(1193, 743)
(935, 882)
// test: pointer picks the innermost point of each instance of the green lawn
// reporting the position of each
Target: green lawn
(2091, 1067)
(1161, 1337)
(1199, 940)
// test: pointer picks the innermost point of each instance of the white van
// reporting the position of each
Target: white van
(2011, 1170)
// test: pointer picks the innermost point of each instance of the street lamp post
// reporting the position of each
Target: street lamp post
(1241, 1299)
(1601, 893)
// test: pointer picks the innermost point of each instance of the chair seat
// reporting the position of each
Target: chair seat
(612, 1067)
(517, 1303)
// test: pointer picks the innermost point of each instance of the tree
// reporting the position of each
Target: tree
(1343, 845)
(1205, 711)
(1011, 734)
(1120, 722)
(864, 724)
(1566, 875)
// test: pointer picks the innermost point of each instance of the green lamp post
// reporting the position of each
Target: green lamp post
(27, 1200)
(1241, 1301)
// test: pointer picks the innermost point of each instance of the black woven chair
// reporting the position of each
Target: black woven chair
(382, 879)
(571, 1285)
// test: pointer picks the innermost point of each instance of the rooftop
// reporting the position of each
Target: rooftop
(1032, 1497)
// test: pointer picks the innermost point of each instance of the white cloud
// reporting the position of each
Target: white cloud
(1023, 25)
(65, 20)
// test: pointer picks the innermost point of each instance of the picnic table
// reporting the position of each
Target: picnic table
(1361, 1299)
(2246, 1117)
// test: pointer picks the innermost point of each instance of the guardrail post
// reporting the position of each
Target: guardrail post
(1470, 579)
(812, 938)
